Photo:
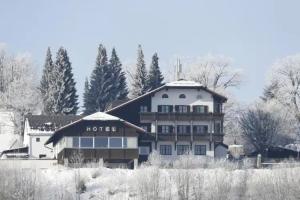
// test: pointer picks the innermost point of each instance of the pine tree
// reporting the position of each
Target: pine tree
(101, 82)
(155, 77)
(140, 77)
(87, 101)
(119, 90)
(47, 84)
(65, 91)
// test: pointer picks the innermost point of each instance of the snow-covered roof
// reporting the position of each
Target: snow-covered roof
(180, 83)
(98, 116)
(101, 116)
(184, 83)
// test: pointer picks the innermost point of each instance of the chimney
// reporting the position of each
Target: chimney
(178, 70)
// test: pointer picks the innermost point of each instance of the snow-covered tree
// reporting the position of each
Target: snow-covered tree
(100, 83)
(47, 84)
(284, 86)
(260, 128)
(155, 77)
(18, 92)
(218, 73)
(66, 99)
(139, 85)
(119, 90)
(215, 72)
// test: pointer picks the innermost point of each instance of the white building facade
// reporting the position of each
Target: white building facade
(183, 117)
(38, 129)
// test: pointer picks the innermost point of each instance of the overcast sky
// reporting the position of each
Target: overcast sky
(254, 33)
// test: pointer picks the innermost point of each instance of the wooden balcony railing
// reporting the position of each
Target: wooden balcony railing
(218, 137)
(148, 117)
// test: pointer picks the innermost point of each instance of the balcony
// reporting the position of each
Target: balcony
(217, 137)
(148, 117)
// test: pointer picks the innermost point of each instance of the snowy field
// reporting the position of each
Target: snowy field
(219, 181)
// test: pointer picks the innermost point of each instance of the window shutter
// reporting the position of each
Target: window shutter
(194, 129)
(176, 108)
(188, 129)
(171, 108)
(205, 129)
(159, 108)
(159, 129)
(205, 109)
(194, 109)
(188, 109)
(171, 129)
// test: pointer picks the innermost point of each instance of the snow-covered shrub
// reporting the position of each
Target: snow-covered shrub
(218, 183)
(148, 183)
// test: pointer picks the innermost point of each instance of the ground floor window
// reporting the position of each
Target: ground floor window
(183, 149)
(200, 150)
(104, 142)
(86, 142)
(165, 149)
(115, 142)
(101, 142)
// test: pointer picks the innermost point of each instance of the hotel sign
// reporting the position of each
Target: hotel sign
(101, 129)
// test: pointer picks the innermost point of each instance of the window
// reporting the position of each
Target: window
(200, 109)
(183, 149)
(182, 108)
(101, 142)
(86, 142)
(200, 150)
(37, 139)
(200, 129)
(143, 109)
(75, 142)
(42, 155)
(182, 96)
(183, 129)
(218, 127)
(164, 96)
(144, 150)
(165, 149)
(165, 108)
(164, 129)
(115, 142)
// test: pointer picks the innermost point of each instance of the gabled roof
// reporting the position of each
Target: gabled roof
(98, 116)
(39, 121)
(176, 84)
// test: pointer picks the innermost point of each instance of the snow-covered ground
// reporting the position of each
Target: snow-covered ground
(151, 182)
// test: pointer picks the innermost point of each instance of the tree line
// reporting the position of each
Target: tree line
(107, 82)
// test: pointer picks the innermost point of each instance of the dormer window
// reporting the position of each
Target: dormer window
(164, 96)
(182, 96)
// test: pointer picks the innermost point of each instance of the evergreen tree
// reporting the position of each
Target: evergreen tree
(100, 83)
(65, 91)
(47, 84)
(119, 90)
(140, 77)
(87, 104)
(155, 77)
